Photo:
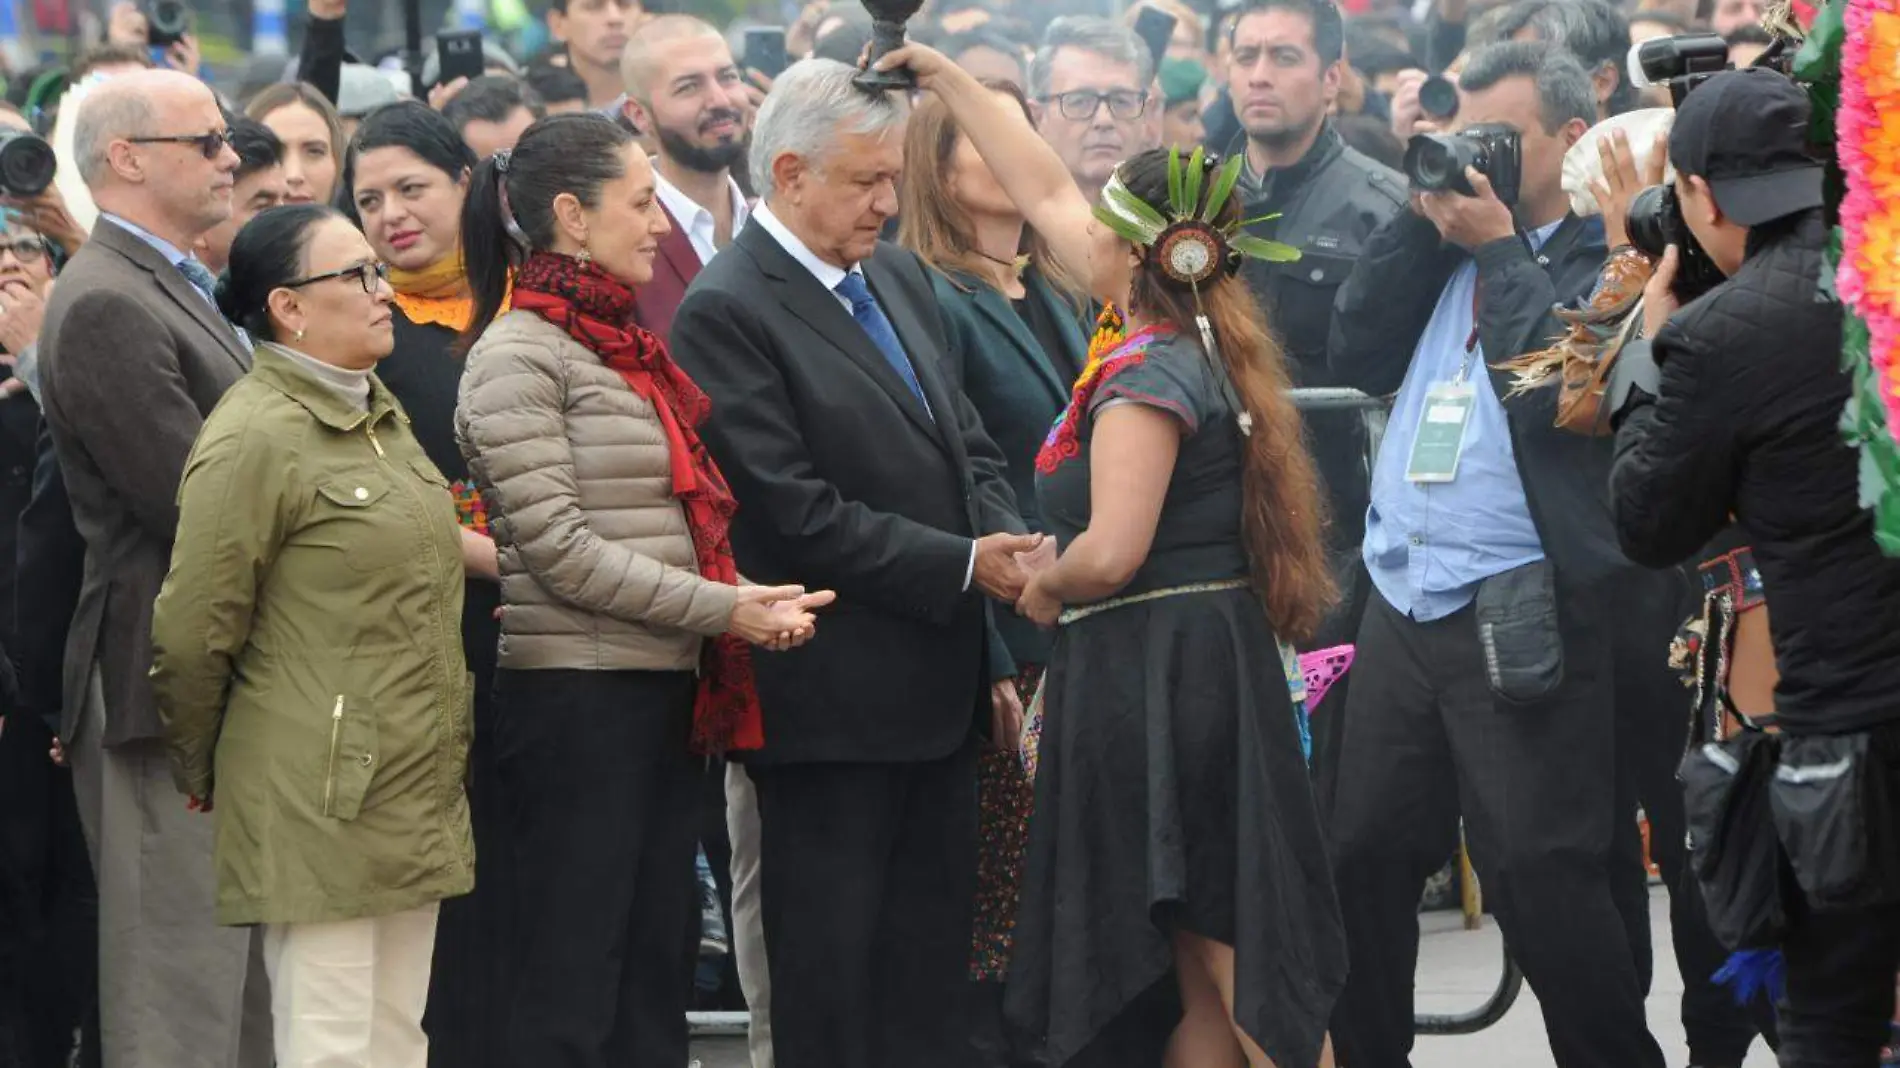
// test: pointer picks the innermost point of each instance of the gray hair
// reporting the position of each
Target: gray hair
(1564, 89)
(809, 106)
(109, 114)
(1087, 33)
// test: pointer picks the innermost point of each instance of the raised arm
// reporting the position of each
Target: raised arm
(1023, 163)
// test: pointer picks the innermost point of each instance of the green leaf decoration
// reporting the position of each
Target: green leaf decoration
(1129, 203)
(1124, 228)
(1245, 223)
(1224, 182)
(1260, 248)
(1177, 185)
(1820, 55)
(1191, 196)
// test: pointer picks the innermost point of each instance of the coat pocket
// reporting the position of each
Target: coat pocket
(1518, 626)
(357, 517)
(1732, 846)
(1821, 804)
(350, 763)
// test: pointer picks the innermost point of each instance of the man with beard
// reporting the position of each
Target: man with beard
(1324, 198)
(685, 91)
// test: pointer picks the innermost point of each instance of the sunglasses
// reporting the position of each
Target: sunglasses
(209, 144)
(25, 249)
(366, 274)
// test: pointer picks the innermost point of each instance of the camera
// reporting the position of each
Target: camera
(1655, 222)
(1435, 162)
(1438, 98)
(1681, 62)
(27, 164)
(167, 22)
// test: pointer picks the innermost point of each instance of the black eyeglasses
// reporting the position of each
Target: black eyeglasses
(25, 249)
(209, 144)
(367, 275)
(1082, 104)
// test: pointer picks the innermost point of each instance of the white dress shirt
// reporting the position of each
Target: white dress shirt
(696, 219)
(828, 275)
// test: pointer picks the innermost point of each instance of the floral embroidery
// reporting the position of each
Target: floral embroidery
(1064, 442)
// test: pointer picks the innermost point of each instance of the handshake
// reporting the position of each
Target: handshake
(1006, 568)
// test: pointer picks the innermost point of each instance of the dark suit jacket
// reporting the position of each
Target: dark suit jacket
(1017, 390)
(132, 360)
(51, 562)
(846, 482)
(655, 303)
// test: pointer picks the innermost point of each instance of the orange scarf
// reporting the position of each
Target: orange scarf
(437, 293)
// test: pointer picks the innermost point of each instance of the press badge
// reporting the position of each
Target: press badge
(1440, 440)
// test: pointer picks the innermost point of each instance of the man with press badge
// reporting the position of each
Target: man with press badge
(1483, 685)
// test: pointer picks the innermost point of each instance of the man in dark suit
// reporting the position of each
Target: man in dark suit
(857, 468)
(133, 355)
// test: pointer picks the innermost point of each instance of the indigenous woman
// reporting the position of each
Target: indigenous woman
(1175, 837)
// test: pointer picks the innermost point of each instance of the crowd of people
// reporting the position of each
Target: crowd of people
(647, 528)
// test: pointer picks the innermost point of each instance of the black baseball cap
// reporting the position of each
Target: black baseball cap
(1745, 132)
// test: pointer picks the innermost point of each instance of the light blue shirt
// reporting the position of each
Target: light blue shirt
(172, 253)
(1429, 545)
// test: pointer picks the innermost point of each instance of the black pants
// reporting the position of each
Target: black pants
(1426, 741)
(600, 786)
(868, 879)
(1652, 727)
(49, 912)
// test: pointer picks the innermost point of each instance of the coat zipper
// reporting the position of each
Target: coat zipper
(377, 445)
(336, 739)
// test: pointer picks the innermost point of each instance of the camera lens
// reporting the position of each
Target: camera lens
(27, 164)
(168, 21)
(1648, 225)
(1438, 161)
(1438, 98)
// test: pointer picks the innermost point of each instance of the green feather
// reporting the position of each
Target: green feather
(1223, 187)
(1191, 196)
(1176, 180)
(1260, 248)
(1137, 207)
(1124, 229)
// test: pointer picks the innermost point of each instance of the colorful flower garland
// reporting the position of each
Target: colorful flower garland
(1867, 127)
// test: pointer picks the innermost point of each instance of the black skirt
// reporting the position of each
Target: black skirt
(1172, 795)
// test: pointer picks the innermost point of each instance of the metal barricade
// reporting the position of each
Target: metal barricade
(1510, 980)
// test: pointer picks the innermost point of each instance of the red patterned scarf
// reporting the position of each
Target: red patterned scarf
(596, 310)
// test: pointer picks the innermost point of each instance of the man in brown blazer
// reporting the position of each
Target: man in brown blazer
(134, 354)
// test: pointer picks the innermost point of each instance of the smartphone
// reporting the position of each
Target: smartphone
(765, 50)
(1155, 27)
(460, 55)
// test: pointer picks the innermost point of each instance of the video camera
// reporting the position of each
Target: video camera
(1435, 162)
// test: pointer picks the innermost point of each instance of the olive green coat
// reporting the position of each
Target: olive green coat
(308, 655)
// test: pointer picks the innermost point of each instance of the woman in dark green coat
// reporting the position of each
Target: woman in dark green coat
(308, 652)
(1017, 344)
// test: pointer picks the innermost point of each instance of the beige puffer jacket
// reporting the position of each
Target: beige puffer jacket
(597, 565)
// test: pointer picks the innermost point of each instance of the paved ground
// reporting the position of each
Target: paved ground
(1457, 971)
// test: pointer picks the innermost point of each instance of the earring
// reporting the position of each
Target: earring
(298, 336)
(585, 257)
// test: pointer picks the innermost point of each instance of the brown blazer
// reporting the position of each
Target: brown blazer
(133, 358)
(673, 270)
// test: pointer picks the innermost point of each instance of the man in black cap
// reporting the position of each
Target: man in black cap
(1734, 410)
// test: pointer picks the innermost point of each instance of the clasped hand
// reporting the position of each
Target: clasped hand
(1468, 222)
(777, 617)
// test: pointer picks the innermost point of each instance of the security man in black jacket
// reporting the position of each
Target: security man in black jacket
(1734, 410)
(1484, 668)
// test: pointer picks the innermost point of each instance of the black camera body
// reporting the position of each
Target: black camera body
(1681, 62)
(27, 164)
(1655, 222)
(167, 22)
(1437, 162)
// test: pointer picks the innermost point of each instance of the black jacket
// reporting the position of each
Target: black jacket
(1383, 310)
(1747, 423)
(846, 482)
(1329, 204)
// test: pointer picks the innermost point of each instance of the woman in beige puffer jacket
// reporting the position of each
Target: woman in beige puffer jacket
(622, 613)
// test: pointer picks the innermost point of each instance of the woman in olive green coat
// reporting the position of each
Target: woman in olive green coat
(309, 660)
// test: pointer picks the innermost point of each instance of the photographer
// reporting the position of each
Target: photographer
(1734, 409)
(1484, 661)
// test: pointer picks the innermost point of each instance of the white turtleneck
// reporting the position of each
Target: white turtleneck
(353, 386)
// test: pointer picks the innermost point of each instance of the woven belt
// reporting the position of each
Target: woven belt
(1072, 615)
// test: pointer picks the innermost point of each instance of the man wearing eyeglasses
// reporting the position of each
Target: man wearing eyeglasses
(133, 356)
(1091, 86)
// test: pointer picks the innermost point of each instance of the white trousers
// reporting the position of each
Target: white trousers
(350, 994)
(748, 916)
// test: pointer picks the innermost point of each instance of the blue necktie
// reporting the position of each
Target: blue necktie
(200, 278)
(865, 309)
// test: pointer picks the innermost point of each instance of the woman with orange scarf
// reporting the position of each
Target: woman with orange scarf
(406, 181)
